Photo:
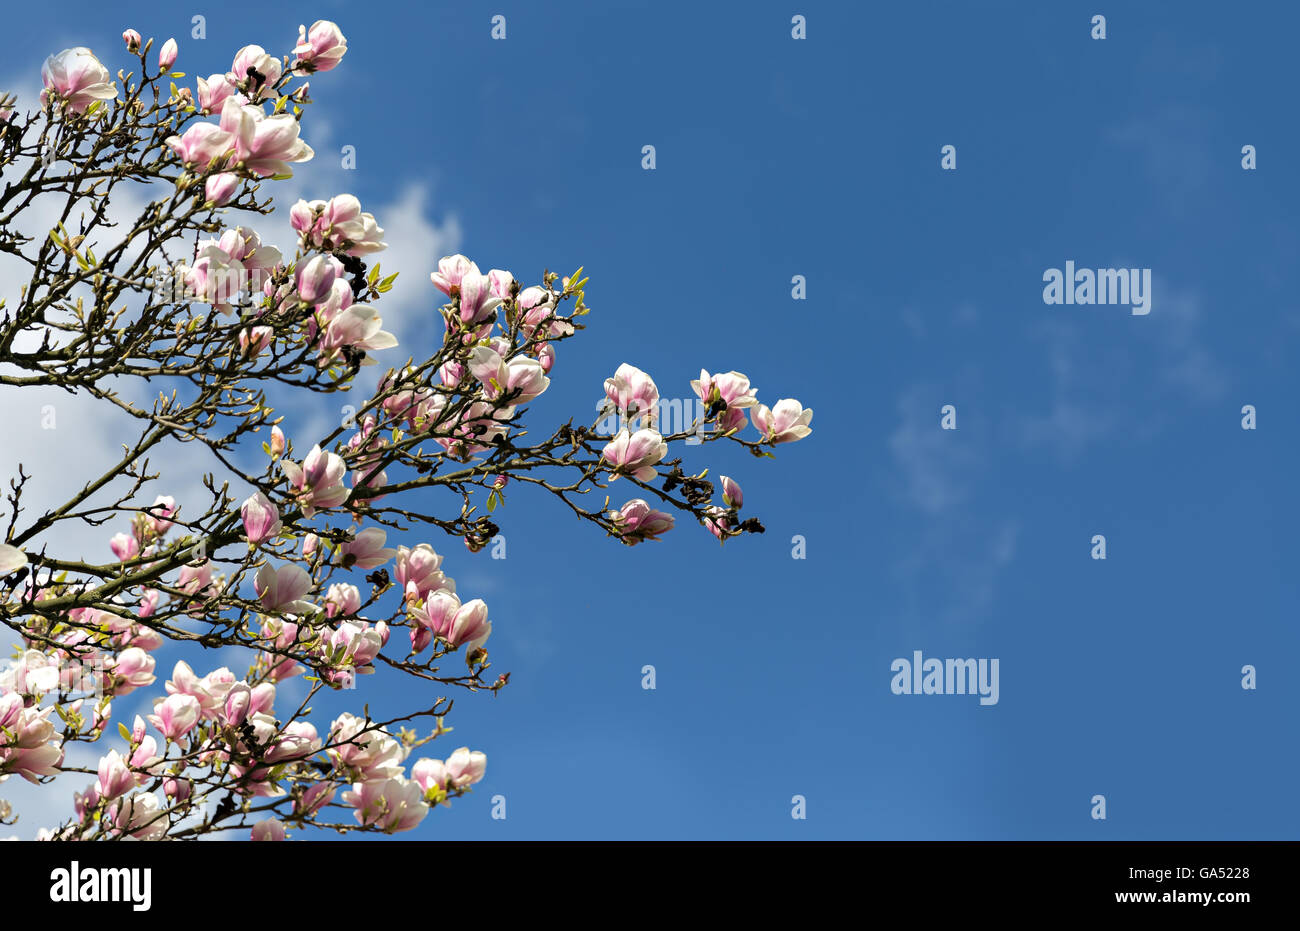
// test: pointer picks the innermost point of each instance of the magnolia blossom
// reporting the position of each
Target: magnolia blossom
(141, 815)
(214, 91)
(201, 144)
(314, 798)
(319, 48)
(731, 389)
(633, 394)
(11, 559)
(367, 751)
(418, 570)
(124, 546)
(159, 514)
(282, 589)
(463, 769)
(731, 493)
(26, 749)
(452, 270)
(76, 77)
(132, 40)
(261, 518)
(270, 829)
(115, 777)
(277, 442)
(478, 300)
(365, 552)
(254, 58)
(635, 454)
(133, 669)
(521, 380)
(786, 422)
(637, 521)
(390, 804)
(175, 715)
(338, 224)
(342, 600)
(443, 615)
(265, 145)
(315, 278)
(167, 55)
(318, 482)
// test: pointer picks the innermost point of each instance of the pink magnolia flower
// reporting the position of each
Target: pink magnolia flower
(359, 326)
(239, 700)
(297, 741)
(115, 777)
(499, 378)
(177, 789)
(633, 394)
(354, 644)
(124, 546)
(29, 752)
(478, 303)
(277, 442)
(268, 69)
(265, 145)
(319, 48)
(314, 798)
(281, 590)
(132, 40)
(261, 518)
(270, 829)
(731, 493)
(11, 708)
(452, 270)
(635, 454)
(369, 753)
(253, 340)
(220, 188)
(419, 570)
(715, 521)
(318, 482)
(784, 423)
(637, 521)
(436, 612)
(465, 767)
(365, 552)
(167, 55)
(142, 816)
(342, 600)
(176, 715)
(470, 626)
(76, 76)
(214, 91)
(728, 390)
(159, 514)
(538, 307)
(315, 278)
(337, 224)
(135, 669)
(391, 804)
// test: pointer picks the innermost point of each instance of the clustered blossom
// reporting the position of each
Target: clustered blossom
(296, 574)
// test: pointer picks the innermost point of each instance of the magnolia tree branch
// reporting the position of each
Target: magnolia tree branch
(190, 328)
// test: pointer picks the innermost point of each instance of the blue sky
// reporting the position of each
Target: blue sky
(821, 158)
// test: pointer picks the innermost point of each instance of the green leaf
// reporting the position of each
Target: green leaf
(492, 502)
(121, 729)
